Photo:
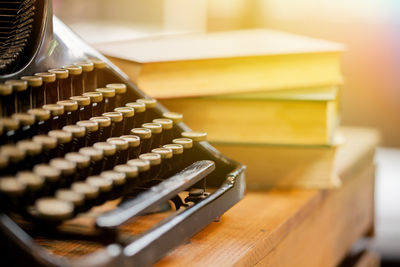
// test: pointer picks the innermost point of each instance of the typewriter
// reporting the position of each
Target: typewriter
(93, 171)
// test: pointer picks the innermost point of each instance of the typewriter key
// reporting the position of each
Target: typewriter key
(108, 98)
(67, 169)
(71, 113)
(4, 161)
(176, 118)
(177, 150)
(145, 138)
(56, 112)
(75, 79)
(35, 89)
(34, 184)
(84, 111)
(166, 156)
(118, 180)
(82, 164)
(15, 155)
(121, 145)
(99, 66)
(120, 90)
(134, 145)
(96, 159)
(143, 167)
(78, 136)
(187, 144)
(11, 190)
(109, 151)
(7, 101)
(54, 209)
(71, 196)
(49, 145)
(128, 118)
(104, 127)
(42, 118)
(89, 192)
(87, 75)
(51, 176)
(155, 165)
(48, 94)
(156, 131)
(104, 186)
(64, 140)
(167, 125)
(26, 130)
(150, 107)
(140, 109)
(10, 127)
(21, 94)
(92, 131)
(96, 107)
(131, 173)
(116, 123)
(62, 84)
(33, 152)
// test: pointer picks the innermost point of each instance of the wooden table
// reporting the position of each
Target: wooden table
(292, 227)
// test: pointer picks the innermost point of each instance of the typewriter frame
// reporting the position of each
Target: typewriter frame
(61, 47)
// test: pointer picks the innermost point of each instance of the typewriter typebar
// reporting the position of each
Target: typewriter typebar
(93, 171)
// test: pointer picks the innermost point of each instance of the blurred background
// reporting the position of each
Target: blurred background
(370, 29)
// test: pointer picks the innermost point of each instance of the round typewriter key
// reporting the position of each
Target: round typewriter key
(21, 94)
(140, 109)
(118, 180)
(121, 146)
(96, 107)
(175, 117)
(49, 145)
(10, 127)
(131, 173)
(143, 167)
(82, 164)
(150, 107)
(177, 150)
(96, 159)
(71, 113)
(155, 164)
(78, 136)
(120, 90)
(134, 145)
(104, 127)
(187, 144)
(156, 131)
(145, 137)
(15, 155)
(104, 185)
(51, 176)
(87, 75)
(128, 118)
(27, 128)
(75, 77)
(195, 136)
(67, 169)
(64, 140)
(92, 131)
(54, 209)
(7, 100)
(33, 152)
(109, 98)
(42, 118)
(99, 72)
(11, 192)
(84, 107)
(56, 112)
(4, 161)
(167, 125)
(116, 122)
(63, 90)
(33, 182)
(109, 151)
(166, 156)
(88, 191)
(48, 94)
(71, 196)
(35, 89)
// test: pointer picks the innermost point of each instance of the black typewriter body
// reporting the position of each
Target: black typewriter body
(53, 45)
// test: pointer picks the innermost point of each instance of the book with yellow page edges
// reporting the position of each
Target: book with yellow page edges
(301, 116)
(218, 63)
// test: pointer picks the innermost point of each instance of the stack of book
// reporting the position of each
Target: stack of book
(267, 99)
